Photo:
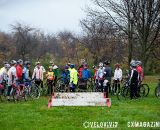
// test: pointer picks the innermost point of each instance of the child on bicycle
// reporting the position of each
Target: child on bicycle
(50, 80)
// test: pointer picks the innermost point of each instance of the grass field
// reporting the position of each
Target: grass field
(34, 115)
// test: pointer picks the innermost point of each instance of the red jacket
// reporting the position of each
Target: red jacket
(80, 72)
(140, 71)
(19, 71)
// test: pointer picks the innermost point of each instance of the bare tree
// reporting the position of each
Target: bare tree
(22, 36)
(136, 18)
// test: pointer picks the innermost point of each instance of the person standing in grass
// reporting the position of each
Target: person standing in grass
(100, 77)
(55, 70)
(108, 74)
(19, 71)
(117, 78)
(50, 79)
(73, 78)
(38, 74)
(11, 77)
(133, 81)
(26, 71)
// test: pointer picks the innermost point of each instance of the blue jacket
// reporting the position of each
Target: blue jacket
(86, 74)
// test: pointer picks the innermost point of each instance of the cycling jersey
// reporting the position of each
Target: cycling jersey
(25, 73)
(73, 76)
(12, 74)
(38, 73)
(50, 75)
(100, 74)
(3, 74)
(19, 71)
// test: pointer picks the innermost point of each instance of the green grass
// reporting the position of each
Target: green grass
(34, 115)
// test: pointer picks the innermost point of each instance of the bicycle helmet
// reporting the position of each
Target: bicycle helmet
(27, 62)
(138, 62)
(55, 67)
(7, 66)
(20, 61)
(134, 65)
(66, 67)
(132, 62)
(93, 66)
(72, 65)
(13, 62)
(106, 62)
(100, 64)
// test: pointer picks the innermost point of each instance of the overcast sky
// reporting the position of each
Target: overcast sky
(49, 15)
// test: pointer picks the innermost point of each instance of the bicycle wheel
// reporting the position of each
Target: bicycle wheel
(147, 89)
(61, 86)
(34, 91)
(15, 94)
(141, 91)
(157, 92)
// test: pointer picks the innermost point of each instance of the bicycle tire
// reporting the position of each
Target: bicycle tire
(34, 91)
(147, 89)
(142, 91)
(61, 86)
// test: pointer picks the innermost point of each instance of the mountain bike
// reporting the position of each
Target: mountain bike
(31, 89)
(85, 85)
(62, 85)
(126, 90)
(18, 92)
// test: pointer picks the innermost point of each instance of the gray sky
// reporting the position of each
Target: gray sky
(48, 15)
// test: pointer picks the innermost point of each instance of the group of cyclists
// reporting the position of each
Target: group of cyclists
(17, 72)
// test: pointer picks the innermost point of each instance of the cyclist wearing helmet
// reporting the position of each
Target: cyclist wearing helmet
(99, 77)
(134, 79)
(108, 74)
(4, 73)
(66, 75)
(73, 78)
(117, 78)
(19, 70)
(38, 74)
(3, 68)
(11, 77)
(50, 79)
(26, 71)
(55, 70)
(68, 64)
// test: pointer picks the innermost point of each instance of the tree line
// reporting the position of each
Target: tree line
(118, 31)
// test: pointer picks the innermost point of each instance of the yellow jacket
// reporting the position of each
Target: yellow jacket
(74, 76)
